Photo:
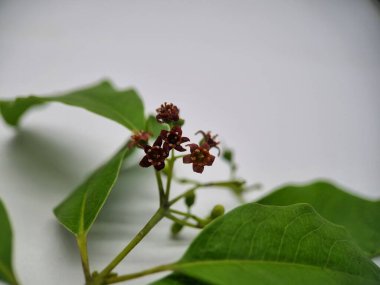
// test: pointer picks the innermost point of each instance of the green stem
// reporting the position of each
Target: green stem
(182, 222)
(160, 187)
(170, 175)
(140, 235)
(178, 157)
(198, 186)
(187, 215)
(185, 181)
(82, 245)
(179, 197)
(126, 277)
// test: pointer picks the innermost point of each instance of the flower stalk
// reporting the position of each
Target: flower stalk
(82, 245)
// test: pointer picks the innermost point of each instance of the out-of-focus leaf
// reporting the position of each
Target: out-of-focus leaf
(6, 270)
(124, 107)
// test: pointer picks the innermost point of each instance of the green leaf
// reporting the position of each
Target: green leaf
(79, 211)
(124, 107)
(360, 217)
(6, 271)
(258, 244)
(179, 279)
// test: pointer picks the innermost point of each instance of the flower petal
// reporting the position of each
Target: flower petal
(159, 166)
(187, 159)
(179, 148)
(198, 168)
(166, 149)
(131, 144)
(218, 148)
(145, 162)
(164, 133)
(193, 146)
(185, 139)
(158, 142)
(205, 146)
(146, 148)
(210, 160)
(177, 129)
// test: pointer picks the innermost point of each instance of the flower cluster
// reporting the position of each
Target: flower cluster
(172, 139)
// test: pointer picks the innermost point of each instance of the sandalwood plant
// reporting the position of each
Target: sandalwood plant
(316, 233)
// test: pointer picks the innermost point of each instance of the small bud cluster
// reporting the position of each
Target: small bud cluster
(167, 113)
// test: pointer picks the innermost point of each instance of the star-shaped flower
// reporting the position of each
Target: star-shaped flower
(173, 139)
(210, 140)
(155, 155)
(199, 157)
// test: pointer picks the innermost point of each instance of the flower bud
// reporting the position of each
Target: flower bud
(180, 122)
(176, 228)
(217, 211)
(190, 199)
(167, 113)
(228, 155)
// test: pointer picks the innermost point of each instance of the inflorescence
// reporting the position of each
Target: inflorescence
(170, 140)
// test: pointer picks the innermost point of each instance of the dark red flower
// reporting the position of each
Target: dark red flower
(167, 113)
(210, 140)
(173, 138)
(155, 155)
(199, 157)
(139, 139)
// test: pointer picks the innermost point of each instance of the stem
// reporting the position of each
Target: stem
(187, 215)
(178, 157)
(82, 245)
(199, 185)
(182, 222)
(186, 181)
(170, 175)
(179, 197)
(140, 235)
(152, 270)
(160, 187)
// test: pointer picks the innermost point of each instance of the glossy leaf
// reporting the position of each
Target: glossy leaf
(6, 271)
(79, 211)
(360, 217)
(124, 107)
(258, 244)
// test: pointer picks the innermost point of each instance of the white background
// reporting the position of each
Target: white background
(292, 86)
